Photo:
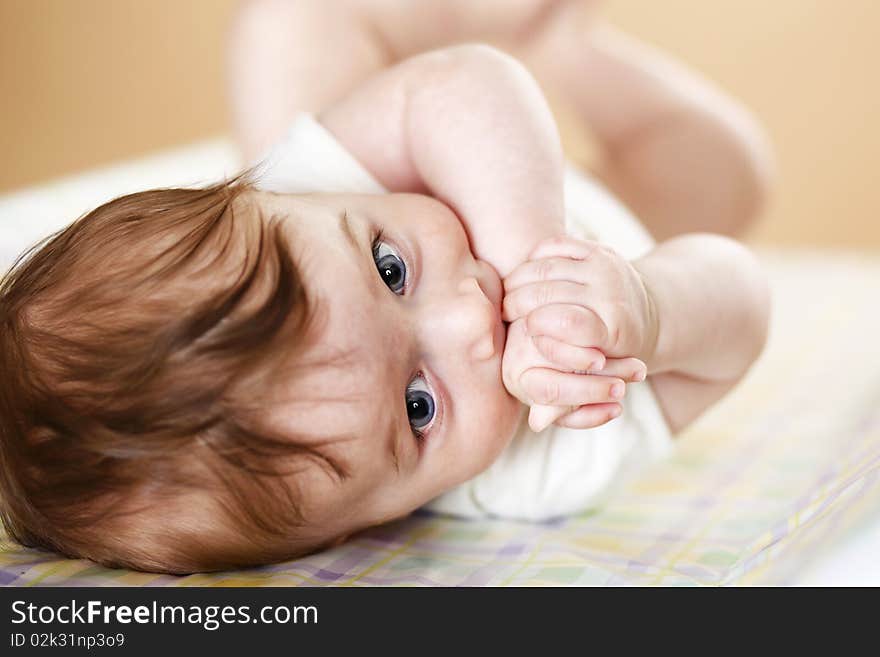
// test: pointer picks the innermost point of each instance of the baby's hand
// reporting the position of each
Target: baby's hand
(580, 295)
(573, 387)
(572, 303)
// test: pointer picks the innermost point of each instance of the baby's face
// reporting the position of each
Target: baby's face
(409, 397)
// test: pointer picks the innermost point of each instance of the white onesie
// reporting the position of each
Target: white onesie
(539, 475)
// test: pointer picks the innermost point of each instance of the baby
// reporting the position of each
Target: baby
(204, 379)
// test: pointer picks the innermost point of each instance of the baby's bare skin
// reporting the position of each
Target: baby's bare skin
(498, 164)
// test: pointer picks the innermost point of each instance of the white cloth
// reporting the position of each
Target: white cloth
(539, 475)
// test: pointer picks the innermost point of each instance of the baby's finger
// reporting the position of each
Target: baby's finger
(564, 247)
(541, 417)
(590, 416)
(568, 323)
(523, 300)
(569, 357)
(631, 370)
(554, 388)
(546, 269)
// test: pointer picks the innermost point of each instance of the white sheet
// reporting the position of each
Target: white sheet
(28, 215)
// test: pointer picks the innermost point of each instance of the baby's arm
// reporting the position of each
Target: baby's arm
(470, 126)
(712, 303)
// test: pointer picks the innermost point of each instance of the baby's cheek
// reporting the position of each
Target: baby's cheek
(500, 417)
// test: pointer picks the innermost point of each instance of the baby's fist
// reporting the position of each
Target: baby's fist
(582, 295)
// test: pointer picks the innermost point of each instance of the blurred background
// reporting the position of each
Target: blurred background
(89, 82)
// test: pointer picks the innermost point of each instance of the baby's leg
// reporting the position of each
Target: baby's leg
(290, 56)
(682, 155)
(285, 57)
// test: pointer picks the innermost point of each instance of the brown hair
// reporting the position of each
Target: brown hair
(122, 347)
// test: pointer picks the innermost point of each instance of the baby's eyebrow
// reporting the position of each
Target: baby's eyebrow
(348, 230)
(359, 252)
(357, 238)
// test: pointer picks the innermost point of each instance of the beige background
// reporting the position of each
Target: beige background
(85, 82)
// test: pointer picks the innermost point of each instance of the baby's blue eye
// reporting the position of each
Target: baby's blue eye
(419, 404)
(391, 266)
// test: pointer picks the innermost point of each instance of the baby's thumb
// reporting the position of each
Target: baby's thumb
(541, 417)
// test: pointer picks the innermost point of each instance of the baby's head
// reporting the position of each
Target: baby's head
(203, 379)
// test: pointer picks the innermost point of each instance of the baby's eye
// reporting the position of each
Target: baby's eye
(419, 404)
(391, 266)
